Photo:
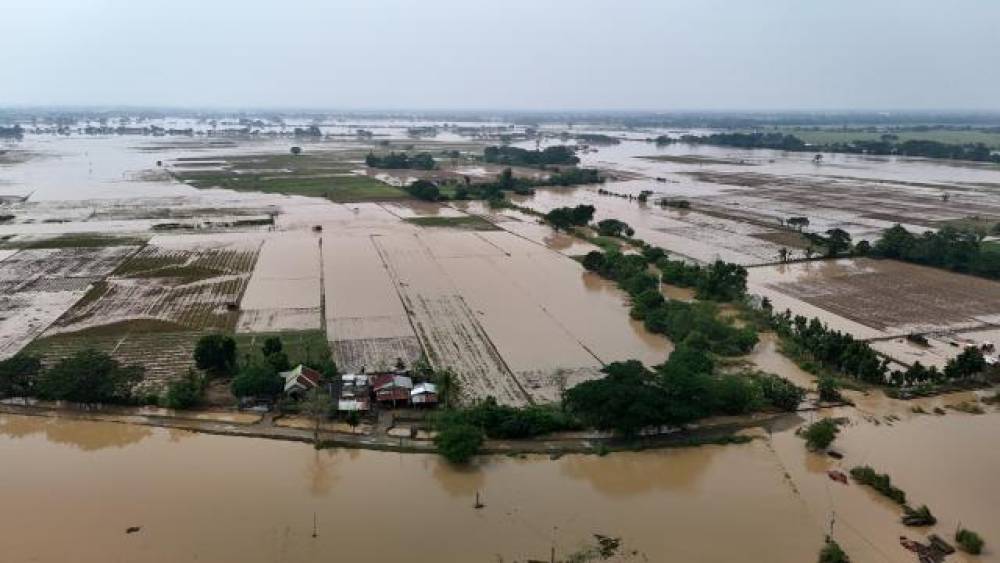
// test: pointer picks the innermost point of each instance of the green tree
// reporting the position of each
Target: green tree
(828, 389)
(259, 379)
(838, 241)
(970, 362)
(626, 400)
(819, 435)
(18, 375)
(969, 541)
(216, 354)
(89, 376)
(186, 392)
(448, 387)
(272, 345)
(459, 442)
(832, 553)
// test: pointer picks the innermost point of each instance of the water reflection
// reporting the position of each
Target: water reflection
(86, 437)
(627, 473)
(459, 481)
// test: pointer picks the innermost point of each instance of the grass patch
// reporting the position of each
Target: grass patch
(78, 240)
(302, 347)
(469, 223)
(339, 188)
(322, 174)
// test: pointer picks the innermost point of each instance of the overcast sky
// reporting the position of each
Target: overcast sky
(503, 54)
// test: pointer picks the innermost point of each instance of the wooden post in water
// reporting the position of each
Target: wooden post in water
(314, 525)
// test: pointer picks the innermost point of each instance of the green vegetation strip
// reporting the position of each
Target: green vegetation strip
(471, 223)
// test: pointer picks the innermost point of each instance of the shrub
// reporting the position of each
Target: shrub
(185, 393)
(819, 435)
(881, 482)
(969, 541)
(259, 379)
(215, 353)
(918, 516)
(458, 442)
(828, 389)
(779, 392)
(89, 376)
(832, 553)
(18, 374)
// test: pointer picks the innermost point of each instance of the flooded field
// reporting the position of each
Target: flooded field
(284, 289)
(882, 299)
(513, 319)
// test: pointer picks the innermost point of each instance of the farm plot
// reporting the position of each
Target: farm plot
(366, 323)
(699, 236)
(879, 298)
(514, 319)
(39, 285)
(165, 356)
(284, 290)
(168, 286)
(445, 323)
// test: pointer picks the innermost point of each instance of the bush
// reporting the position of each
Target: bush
(505, 422)
(918, 516)
(831, 553)
(216, 354)
(879, 481)
(969, 541)
(18, 375)
(425, 190)
(736, 394)
(779, 392)
(458, 442)
(259, 379)
(828, 389)
(185, 393)
(819, 435)
(89, 376)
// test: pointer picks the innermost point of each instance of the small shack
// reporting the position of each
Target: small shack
(300, 379)
(391, 388)
(424, 395)
(355, 390)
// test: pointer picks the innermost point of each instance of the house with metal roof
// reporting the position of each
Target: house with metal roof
(300, 379)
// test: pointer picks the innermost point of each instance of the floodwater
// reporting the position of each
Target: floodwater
(75, 486)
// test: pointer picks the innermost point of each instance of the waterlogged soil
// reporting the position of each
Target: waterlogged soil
(879, 298)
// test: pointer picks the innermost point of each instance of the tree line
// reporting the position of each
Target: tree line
(888, 145)
(401, 160)
(950, 248)
(819, 347)
(514, 156)
(697, 323)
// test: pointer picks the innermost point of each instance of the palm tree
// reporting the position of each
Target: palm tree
(448, 387)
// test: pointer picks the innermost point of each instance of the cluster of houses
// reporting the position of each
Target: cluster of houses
(359, 392)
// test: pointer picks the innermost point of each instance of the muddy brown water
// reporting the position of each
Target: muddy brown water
(71, 488)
